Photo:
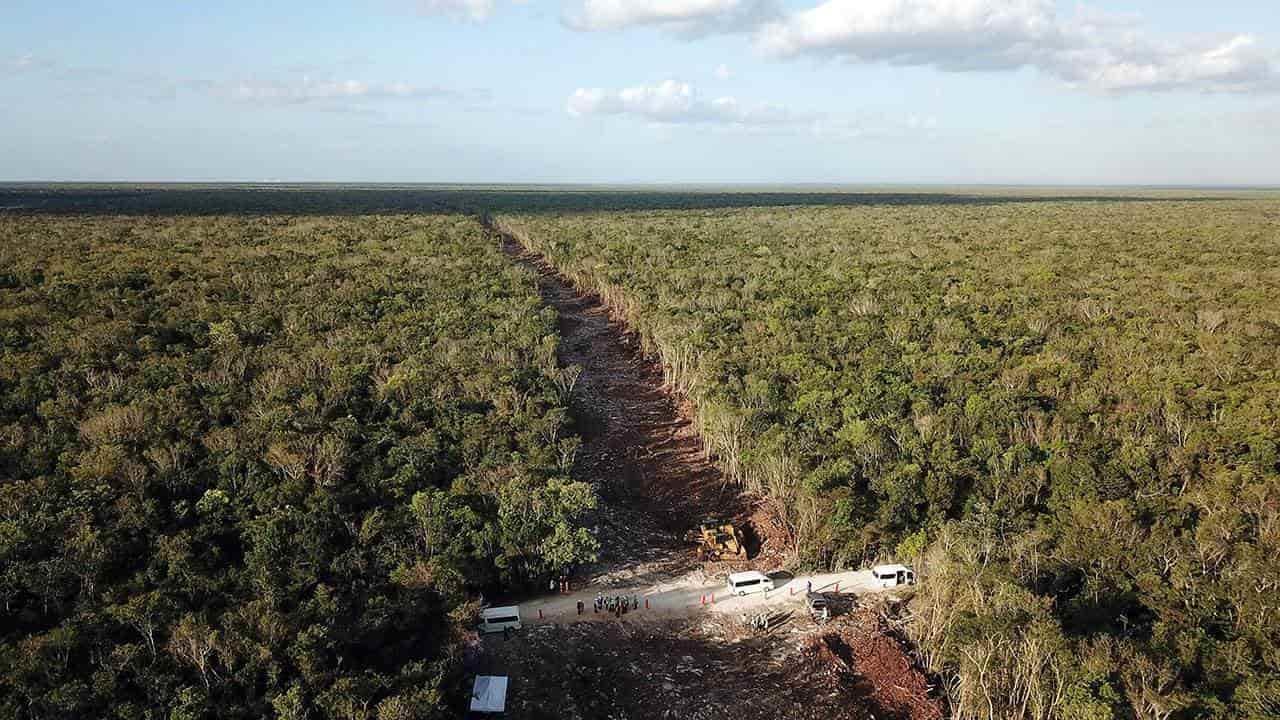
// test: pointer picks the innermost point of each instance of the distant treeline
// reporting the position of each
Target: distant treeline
(178, 199)
(255, 467)
(1067, 414)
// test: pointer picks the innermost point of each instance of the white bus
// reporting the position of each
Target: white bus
(498, 619)
(751, 581)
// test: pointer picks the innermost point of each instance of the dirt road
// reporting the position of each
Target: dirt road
(685, 596)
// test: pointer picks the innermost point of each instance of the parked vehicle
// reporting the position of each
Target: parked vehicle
(751, 581)
(888, 576)
(498, 619)
(819, 606)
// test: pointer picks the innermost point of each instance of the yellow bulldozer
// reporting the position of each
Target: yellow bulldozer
(718, 540)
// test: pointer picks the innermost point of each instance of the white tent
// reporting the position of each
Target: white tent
(489, 694)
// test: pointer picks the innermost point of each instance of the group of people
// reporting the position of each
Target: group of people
(616, 604)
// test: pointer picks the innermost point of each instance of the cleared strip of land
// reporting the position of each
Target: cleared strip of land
(644, 456)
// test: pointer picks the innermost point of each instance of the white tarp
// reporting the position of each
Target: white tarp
(489, 694)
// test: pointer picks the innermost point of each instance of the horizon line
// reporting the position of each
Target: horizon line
(625, 184)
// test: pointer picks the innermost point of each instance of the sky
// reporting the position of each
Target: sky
(1164, 92)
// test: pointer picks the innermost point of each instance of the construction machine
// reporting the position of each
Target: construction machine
(719, 540)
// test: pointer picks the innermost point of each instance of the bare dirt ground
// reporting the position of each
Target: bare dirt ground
(711, 668)
(683, 661)
(700, 592)
(639, 450)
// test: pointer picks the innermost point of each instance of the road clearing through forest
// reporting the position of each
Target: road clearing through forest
(640, 449)
(685, 596)
(686, 655)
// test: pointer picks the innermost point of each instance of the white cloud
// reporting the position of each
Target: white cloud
(673, 102)
(614, 14)
(951, 34)
(722, 72)
(475, 10)
(312, 91)
(682, 16)
(1132, 62)
(921, 122)
(23, 63)
(1093, 49)
(1090, 49)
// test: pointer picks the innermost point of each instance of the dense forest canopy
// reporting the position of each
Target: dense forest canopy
(256, 466)
(1066, 412)
(356, 199)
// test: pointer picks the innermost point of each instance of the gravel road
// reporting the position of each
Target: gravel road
(688, 595)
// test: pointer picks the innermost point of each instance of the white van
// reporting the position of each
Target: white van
(499, 618)
(744, 583)
(888, 576)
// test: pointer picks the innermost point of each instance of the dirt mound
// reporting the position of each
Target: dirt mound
(862, 657)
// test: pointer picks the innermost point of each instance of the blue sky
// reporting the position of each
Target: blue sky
(857, 91)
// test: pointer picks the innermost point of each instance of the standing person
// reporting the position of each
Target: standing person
(808, 585)
(579, 607)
